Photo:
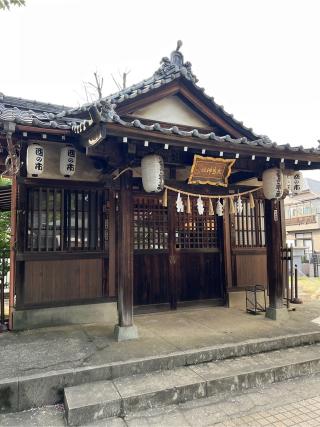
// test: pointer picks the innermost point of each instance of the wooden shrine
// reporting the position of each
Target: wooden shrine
(90, 244)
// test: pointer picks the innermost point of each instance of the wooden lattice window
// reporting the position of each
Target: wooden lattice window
(60, 219)
(250, 225)
(196, 231)
(150, 224)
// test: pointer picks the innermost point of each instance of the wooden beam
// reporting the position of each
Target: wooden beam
(209, 112)
(125, 252)
(35, 129)
(174, 88)
(147, 98)
(210, 145)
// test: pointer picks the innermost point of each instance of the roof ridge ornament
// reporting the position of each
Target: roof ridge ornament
(175, 65)
(176, 57)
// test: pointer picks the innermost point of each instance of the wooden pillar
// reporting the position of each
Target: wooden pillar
(276, 308)
(228, 231)
(112, 245)
(13, 249)
(125, 329)
(173, 255)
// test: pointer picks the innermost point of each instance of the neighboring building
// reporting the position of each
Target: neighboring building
(302, 213)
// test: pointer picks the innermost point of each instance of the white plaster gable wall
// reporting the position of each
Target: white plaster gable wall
(172, 110)
(85, 170)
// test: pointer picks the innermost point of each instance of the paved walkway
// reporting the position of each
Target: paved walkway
(291, 403)
(43, 350)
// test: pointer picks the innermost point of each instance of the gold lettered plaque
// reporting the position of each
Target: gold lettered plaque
(210, 170)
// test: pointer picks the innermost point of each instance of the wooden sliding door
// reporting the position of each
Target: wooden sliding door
(176, 255)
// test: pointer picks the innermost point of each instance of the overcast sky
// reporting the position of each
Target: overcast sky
(260, 59)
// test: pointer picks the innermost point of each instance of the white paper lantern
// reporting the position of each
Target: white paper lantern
(297, 182)
(152, 171)
(68, 160)
(35, 159)
(288, 181)
(272, 183)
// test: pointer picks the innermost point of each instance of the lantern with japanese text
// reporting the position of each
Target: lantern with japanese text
(35, 159)
(68, 158)
(288, 181)
(152, 171)
(297, 182)
(272, 183)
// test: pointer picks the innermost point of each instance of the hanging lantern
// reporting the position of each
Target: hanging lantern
(288, 181)
(35, 159)
(219, 208)
(297, 182)
(68, 158)
(200, 206)
(179, 203)
(152, 171)
(239, 205)
(272, 183)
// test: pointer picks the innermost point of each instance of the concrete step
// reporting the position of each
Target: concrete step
(46, 388)
(89, 402)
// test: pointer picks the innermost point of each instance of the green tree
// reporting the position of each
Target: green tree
(6, 4)
(4, 223)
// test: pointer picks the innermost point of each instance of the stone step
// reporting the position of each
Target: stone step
(89, 402)
(46, 388)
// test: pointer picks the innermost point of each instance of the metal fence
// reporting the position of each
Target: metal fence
(4, 287)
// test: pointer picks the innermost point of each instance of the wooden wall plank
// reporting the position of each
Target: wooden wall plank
(55, 281)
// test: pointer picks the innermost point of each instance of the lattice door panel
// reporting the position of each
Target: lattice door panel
(250, 225)
(196, 231)
(150, 224)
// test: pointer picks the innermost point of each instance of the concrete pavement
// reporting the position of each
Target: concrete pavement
(48, 349)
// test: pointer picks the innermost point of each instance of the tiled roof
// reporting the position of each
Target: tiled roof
(31, 118)
(57, 116)
(27, 104)
(108, 114)
(170, 70)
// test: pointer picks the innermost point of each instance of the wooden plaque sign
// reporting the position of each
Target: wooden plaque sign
(210, 170)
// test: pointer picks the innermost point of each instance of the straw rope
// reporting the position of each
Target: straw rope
(207, 196)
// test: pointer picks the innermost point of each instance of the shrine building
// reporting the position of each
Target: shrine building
(152, 198)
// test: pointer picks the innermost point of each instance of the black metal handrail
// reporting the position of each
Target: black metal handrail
(4, 285)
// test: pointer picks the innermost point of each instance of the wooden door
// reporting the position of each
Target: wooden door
(199, 256)
(193, 269)
(150, 243)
